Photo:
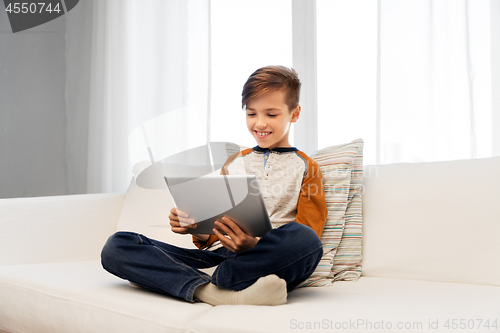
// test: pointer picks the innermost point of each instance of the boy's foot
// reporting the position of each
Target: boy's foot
(268, 290)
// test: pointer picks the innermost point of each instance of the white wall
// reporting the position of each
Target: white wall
(495, 74)
(32, 110)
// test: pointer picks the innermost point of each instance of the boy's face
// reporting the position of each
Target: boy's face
(269, 120)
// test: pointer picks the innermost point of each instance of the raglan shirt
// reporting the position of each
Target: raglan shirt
(291, 186)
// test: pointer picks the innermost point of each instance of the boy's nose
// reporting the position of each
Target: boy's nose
(261, 124)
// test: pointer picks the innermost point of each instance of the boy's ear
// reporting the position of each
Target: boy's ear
(296, 114)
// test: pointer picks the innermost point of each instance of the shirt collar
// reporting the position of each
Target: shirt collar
(277, 149)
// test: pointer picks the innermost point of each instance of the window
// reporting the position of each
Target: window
(245, 36)
(347, 73)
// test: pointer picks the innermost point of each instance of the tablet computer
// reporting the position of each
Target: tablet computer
(208, 198)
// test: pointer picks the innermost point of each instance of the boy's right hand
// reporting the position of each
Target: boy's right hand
(180, 223)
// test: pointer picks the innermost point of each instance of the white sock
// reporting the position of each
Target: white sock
(268, 290)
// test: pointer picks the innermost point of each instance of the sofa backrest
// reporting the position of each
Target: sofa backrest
(147, 212)
(56, 228)
(436, 221)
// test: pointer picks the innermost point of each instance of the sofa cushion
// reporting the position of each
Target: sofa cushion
(367, 305)
(82, 297)
(342, 170)
(436, 221)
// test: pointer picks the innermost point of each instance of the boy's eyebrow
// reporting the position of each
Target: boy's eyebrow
(270, 109)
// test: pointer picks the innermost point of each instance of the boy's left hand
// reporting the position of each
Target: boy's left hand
(238, 240)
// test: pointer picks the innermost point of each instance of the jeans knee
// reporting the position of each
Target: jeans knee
(107, 251)
(309, 247)
(303, 236)
(113, 250)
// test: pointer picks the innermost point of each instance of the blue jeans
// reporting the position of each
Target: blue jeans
(291, 251)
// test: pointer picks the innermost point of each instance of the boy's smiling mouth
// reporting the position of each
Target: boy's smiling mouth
(262, 135)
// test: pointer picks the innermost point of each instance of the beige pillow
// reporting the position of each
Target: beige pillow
(342, 170)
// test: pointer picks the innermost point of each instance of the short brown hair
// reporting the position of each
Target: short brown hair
(271, 78)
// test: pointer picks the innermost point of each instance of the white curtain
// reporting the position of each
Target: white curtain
(131, 62)
(414, 78)
(435, 80)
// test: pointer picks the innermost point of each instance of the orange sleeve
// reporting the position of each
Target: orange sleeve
(311, 208)
(201, 244)
(213, 238)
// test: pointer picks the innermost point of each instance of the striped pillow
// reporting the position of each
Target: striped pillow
(347, 260)
(342, 170)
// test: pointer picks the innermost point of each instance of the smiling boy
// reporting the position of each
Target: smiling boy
(251, 270)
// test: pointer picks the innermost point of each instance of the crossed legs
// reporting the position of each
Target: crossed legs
(281, 260)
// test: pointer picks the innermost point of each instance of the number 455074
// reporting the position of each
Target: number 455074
(470, 324)
(24, 7)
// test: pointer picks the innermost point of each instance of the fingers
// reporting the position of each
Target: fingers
(219, 226)
(226, 242)
(183, 224)
(180, 216)
(235, 242)
(238, 240)
(180, 222)
(177, 212)
(180, 229)
(233, 226)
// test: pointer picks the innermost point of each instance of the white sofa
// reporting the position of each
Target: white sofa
(431, 263)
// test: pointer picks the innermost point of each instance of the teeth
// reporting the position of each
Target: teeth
(263, 133)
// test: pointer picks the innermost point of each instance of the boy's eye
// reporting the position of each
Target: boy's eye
(250, 114)
(272, 115)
